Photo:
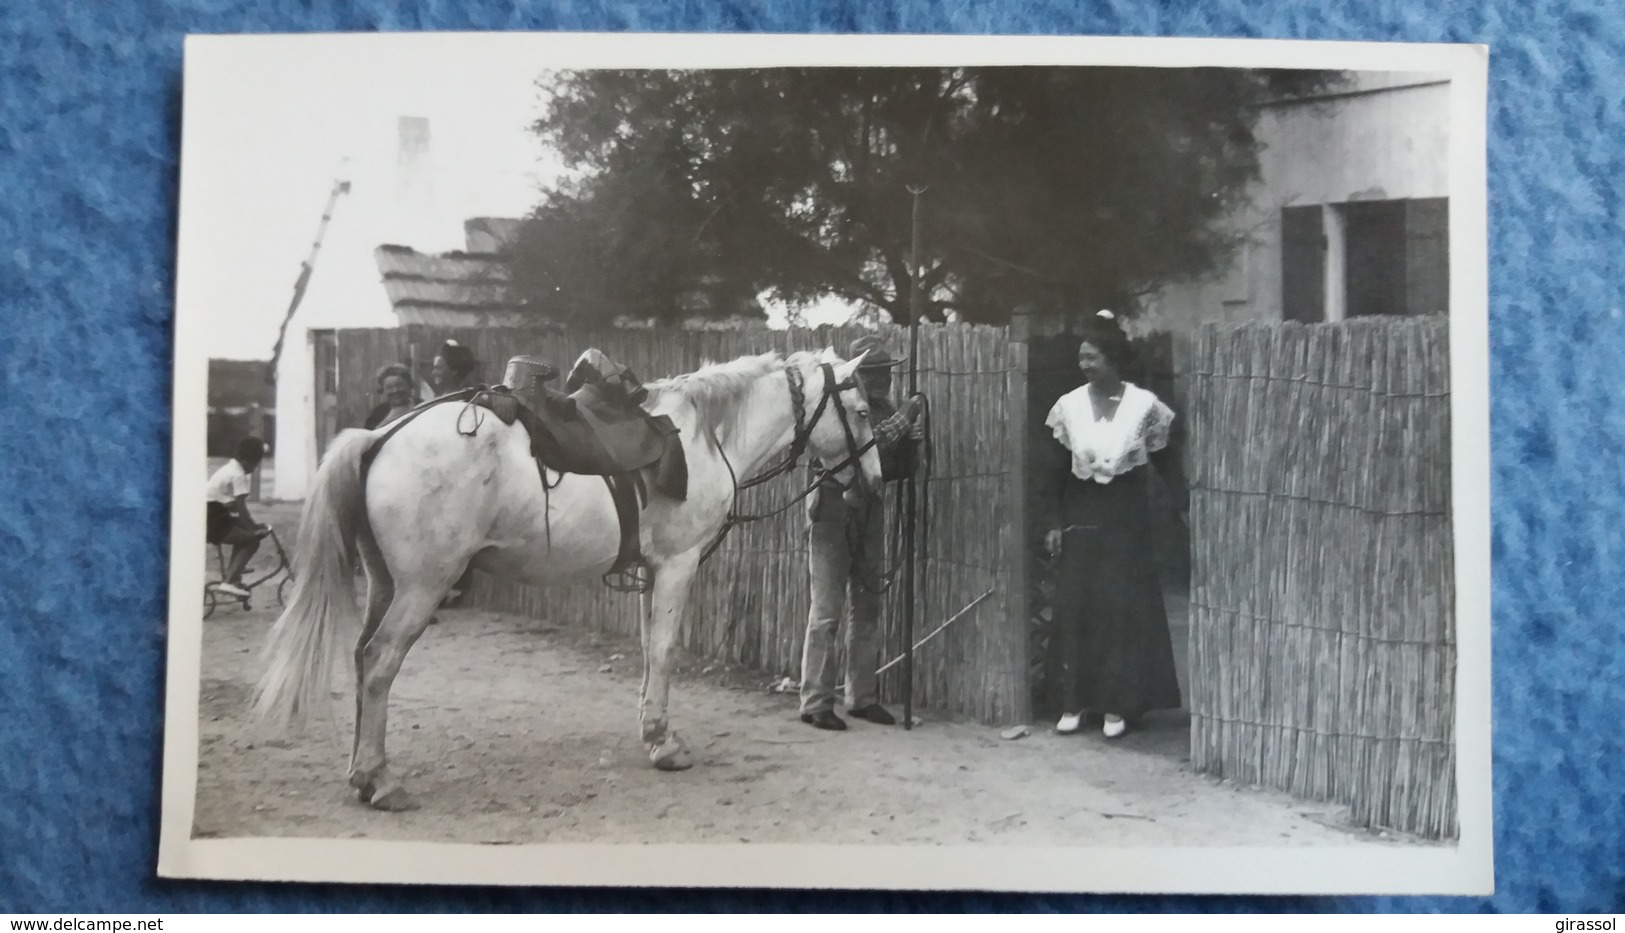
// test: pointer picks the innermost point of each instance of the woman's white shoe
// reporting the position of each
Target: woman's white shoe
(1069, 723)
(1114, 727)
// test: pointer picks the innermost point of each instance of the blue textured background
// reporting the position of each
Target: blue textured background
(89, 137)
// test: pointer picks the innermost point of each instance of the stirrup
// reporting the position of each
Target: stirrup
(635, 577)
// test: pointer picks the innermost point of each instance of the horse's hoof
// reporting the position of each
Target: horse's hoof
(394, 800)
(671, 755)
(364, 787)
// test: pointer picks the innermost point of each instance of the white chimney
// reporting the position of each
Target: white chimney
(414, 184)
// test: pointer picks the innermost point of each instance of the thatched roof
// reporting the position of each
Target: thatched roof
(472, 289)
(489, 234)
(425, 288)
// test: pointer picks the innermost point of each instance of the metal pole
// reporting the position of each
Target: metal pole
(911, 502)
(916, 295)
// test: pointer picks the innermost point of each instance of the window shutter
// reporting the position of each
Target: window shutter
(1427, 256)
(1375, 268)
(1303, 264)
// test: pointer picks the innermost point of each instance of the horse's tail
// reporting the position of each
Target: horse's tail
(304, 649)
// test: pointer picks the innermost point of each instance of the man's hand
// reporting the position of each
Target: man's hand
(911, 409)
(1052, 541)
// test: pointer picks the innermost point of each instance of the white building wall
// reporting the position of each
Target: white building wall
(344, 291)
(293, 455)
(1386, 136)
(392, 199)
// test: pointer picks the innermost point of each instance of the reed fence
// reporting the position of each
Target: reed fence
(751, 599)
(1322, 640)
(1322, 632)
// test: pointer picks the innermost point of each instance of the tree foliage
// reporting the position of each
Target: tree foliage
(695, 191)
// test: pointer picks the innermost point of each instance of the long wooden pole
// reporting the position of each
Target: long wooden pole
(911, 502)
(938, 630)
(341, 186)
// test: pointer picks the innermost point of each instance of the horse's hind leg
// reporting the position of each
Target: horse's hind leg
(403, 623)
(380, 593)
(661, 622)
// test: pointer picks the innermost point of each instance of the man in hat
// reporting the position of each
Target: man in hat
(847, 547)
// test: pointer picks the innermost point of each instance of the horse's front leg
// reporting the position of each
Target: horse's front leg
(662, 619)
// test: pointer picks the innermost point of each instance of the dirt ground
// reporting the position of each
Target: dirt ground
(510, 730)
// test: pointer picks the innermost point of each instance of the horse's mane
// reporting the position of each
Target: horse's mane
(716, 390)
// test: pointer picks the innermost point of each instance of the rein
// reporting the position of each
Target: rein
(465, 395)
(798, 446)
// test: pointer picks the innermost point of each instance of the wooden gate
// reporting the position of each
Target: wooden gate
(325, 397)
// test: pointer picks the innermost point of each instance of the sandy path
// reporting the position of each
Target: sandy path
(508, 731)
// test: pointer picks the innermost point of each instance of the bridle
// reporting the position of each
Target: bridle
(822, 476)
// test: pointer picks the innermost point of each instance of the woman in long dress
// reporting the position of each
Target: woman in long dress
(1111, 653)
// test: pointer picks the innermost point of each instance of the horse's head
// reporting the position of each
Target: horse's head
(837, 418)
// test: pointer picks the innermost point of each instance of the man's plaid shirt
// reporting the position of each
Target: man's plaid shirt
(892, 427)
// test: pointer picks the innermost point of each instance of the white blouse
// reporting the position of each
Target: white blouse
(1104, 449)
(227, 483)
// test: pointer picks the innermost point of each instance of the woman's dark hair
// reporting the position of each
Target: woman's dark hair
(249, 450)
(393, 369)
(459, 359)
(1108, 336)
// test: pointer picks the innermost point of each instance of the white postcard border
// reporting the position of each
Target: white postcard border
(1464, 868)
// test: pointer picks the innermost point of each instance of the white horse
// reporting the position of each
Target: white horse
(436, 500)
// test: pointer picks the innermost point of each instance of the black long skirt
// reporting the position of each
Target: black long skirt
(1110, 651)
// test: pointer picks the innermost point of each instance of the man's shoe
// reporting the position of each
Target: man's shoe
(824, 719)
(232, 589)
(874, 713)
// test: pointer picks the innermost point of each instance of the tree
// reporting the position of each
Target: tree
(695, 191)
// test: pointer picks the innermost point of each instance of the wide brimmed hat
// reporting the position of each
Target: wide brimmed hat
(878, 356)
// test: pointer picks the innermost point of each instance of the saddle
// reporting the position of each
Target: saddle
(597, 427)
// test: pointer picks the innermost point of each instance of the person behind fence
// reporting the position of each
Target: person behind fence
(395, 388)
(846, 547)
(227, 518)
(454, 368)
(1111, 653)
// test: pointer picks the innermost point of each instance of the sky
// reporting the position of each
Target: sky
(271, 123)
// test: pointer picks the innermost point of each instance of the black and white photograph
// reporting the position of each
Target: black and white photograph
(1046, 464)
